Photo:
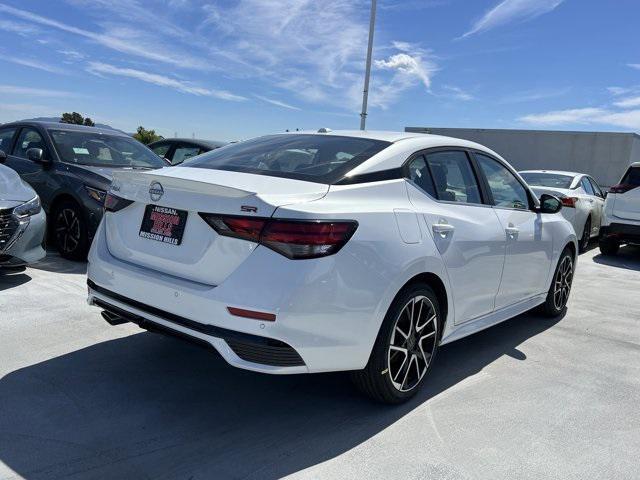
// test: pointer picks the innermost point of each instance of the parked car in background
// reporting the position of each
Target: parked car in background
(581, 196)
(622, 213)
(364, 251)
(22, 221)
(177, 150)
(70, 167)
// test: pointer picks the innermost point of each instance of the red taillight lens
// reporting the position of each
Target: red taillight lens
(569, 201)
(293, 239)
(113, 203)
(622, 188)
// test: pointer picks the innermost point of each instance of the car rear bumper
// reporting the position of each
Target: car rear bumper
(328, 311)
(622, 232)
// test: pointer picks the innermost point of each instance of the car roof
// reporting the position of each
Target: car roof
(556, 172)
(635, 164)
(195, 141)
(66, 127)
(386, 136)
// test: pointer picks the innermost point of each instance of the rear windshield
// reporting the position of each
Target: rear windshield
(538, 179)
(100, 150)
(632, 177)
(314, 158)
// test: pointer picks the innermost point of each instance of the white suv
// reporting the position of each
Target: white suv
(621, 222)
(301, 253)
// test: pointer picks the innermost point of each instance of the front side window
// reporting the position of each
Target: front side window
(596, 187)
(586, 185)
(507, 191)
(314, 158)
(453, 177)
(28, 138)
(6, 137)
(103, 150)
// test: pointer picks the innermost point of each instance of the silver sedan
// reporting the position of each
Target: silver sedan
(22, 221)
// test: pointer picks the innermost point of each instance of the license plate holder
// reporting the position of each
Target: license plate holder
(163, 224)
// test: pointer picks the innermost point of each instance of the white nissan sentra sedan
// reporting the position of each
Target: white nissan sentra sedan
(316, 252)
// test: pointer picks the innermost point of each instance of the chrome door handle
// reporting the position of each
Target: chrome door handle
(442, 229)
(512, 232)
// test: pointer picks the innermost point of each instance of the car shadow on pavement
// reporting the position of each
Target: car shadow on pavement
(628, 257)
(53, 262)
(147, 406)
(10, 278)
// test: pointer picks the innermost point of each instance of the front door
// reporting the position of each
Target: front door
(443, 188)
(529, 247)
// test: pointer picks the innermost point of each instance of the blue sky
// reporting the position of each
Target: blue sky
(232, 69)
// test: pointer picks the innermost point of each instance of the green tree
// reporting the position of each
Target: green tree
(146, 136)
(76, 119)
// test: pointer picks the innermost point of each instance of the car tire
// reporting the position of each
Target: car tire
(406, 347)
(586, 236)
(609, 246)
(70, 231)
(558, 295)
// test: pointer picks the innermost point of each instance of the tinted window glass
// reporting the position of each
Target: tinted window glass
(507, 191)
(6, 136)
(632, 177)
(596, 187)
(453, 177)
(538, 179)
(587, 186)
(97, 149)
(29, 138)
(420, 175)
(182, 152)
(316, 158)
(162, 149)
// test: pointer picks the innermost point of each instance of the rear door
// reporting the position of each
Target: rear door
(529, 247)
(443, 187)
(627, 204)
(599, 201)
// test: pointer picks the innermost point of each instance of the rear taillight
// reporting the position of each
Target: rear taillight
(569, 201)
(295, 239)
(622, 188)
(113, 203)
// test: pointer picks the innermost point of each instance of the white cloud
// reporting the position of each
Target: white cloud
(278, 103)
(162, 81)
(33, 92)
(27, 62)
(457, 93)
(23, 29)
(535, 95)
(509, 11)
(629, 119)
(634, 65)
(629, 102)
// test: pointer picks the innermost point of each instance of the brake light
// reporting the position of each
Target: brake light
(113, 203)
(622, 188)
(569, 201)
(295, 239)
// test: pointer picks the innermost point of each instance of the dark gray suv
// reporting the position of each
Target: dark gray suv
(70, 167)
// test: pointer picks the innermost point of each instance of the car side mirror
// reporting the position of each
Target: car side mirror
(549, 204)
(3, 156)
(36, 155)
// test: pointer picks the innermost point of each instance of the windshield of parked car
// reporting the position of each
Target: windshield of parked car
(540, 179)
(315, 158)
(103, 150)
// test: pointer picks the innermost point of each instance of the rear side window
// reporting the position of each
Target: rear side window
(420, 175)
(632, 177)
(453, 177)
(6, 136)
(183, 152)
(161, 149)
(314, 158)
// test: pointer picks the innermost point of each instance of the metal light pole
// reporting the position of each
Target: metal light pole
(365, 93)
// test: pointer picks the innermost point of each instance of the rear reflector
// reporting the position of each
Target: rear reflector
(240, 312)
(622, 188)
(113, 203)
(569, 201)
(295, 239)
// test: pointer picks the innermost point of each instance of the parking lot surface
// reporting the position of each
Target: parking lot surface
(531, 398)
